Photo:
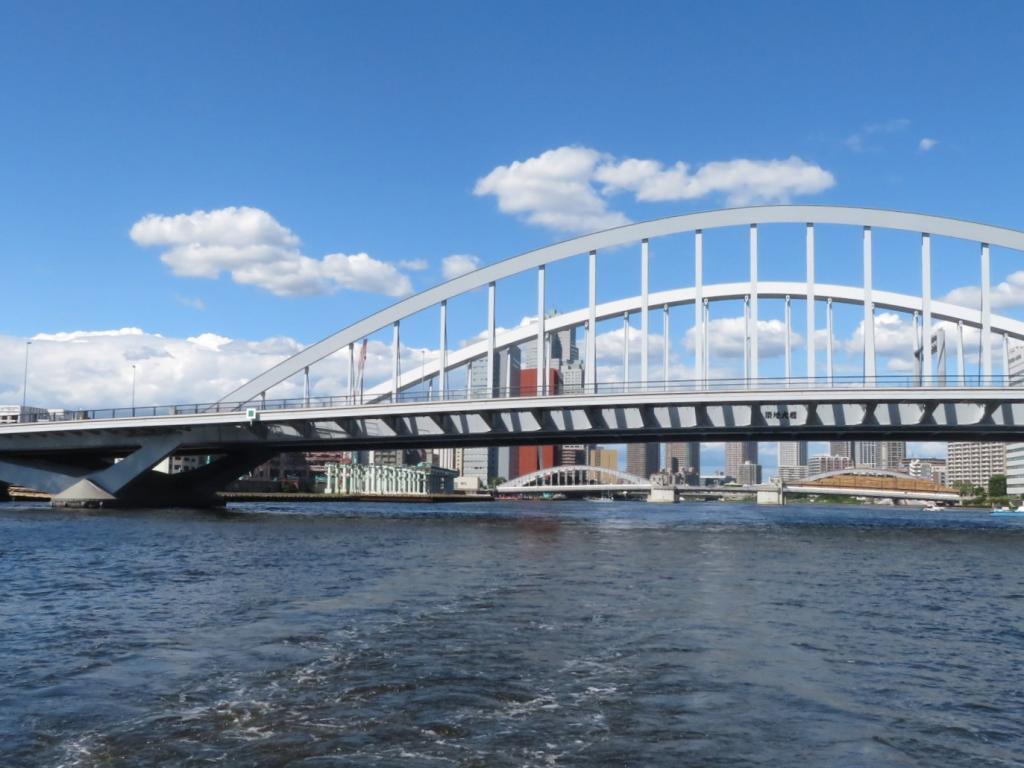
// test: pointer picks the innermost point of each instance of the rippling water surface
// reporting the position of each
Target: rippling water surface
(532, 634)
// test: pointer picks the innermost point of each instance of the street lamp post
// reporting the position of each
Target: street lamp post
(133, 389)
(24, 381)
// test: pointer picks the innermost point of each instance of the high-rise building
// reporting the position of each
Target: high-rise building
(738, 453)
(974, 463)
(817, 465)
(841, 448)
(1015, 451)
(642, 459)
(867, 453)
(603, 457)
(892, 454)
(793, 453)
(749, 473)
(683, 458)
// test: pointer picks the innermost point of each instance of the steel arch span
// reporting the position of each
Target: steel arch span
(75, 458)
(576, 471)
(751, 290)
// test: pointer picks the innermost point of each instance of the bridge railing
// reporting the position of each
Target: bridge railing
(424, 395)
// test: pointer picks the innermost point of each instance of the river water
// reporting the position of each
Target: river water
(511, 634)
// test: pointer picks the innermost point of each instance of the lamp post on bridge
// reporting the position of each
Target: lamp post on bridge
(133, 389)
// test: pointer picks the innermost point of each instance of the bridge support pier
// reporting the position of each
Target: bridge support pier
(130, 481)
(662, 495)
(771, 496)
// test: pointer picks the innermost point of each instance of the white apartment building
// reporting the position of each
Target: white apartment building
(819, 464)
(975, 463)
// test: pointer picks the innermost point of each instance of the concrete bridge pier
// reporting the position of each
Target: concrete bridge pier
(131, 481)
(773, 495)
(662, 495)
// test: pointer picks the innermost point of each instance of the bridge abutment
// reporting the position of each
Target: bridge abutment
(771, 496)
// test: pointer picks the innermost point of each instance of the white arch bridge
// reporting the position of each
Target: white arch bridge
(583, 480)
(74, 458)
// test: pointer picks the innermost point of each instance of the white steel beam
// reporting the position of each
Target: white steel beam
(699, 310)
(986, 313)
(811, 362)
(789, 339)
(394, 362)
(542, 363)
(753, 302)
(591, 372)
(706, 363)
(746, 338)
(869, 311)
(961, 364)
(828, 340)
(442, 370)
(665, 346)
(645, 265)
(491, 288)
(625, 350)
(926, 306)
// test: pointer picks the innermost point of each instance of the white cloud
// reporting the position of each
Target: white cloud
(726, 336)
(256, 250)
(553, 190)
(92, 369)
(743, 182)
(414, 265)
(458, 264)
(1008, 293)
(859, 140)
(568, 188)
(927, 144)
(192, 302)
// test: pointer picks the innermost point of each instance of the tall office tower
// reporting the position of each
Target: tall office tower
(570, 377)
(737, 454)
(792, 460)
(867, 453)
(533, 457)
(892, 454)
(642, 459)
(562, 346)
(481, 462)
(974, 463)
(445, 457)
(603, 457)
(748, 474)
(1015, 451)
(842, 448)
(683, 458)
(793, 453)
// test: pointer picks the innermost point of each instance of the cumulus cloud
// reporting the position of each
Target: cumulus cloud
(726, 336)
(92, 369)
(553, 190)
(743, 182)
(256, 250)
(568, 188)
(458, 264)
(414, 265)
(927, 144)
(1008, 293)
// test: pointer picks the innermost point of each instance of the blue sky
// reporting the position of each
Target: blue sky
(365, 128)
